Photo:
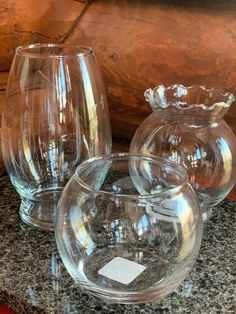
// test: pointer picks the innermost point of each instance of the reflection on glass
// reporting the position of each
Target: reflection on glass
(134, 207)
(186, 127)
(56, 116)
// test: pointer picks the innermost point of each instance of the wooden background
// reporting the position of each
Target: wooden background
(139, 44)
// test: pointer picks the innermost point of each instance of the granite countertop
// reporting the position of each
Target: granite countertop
(34, 280)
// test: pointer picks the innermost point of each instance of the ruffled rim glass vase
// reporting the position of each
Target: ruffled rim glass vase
(186, 127)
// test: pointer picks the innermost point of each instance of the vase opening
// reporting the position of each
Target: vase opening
(193, 101)
(56, 51)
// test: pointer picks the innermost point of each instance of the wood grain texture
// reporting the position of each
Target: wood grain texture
(140, 44)
(31, 21)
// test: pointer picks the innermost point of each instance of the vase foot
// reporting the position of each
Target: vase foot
(40, 212)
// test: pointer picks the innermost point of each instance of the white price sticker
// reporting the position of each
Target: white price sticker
(121, 270)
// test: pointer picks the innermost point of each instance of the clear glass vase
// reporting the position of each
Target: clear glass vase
(128, 227)
(55, 116)
(186, 127)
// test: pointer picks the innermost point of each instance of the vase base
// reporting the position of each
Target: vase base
(44, 225)
(40, 212)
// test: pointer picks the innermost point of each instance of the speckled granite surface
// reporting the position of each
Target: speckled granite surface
(33, 279)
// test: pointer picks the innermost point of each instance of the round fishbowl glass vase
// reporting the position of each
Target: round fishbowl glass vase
(128, 227)
(186, 127)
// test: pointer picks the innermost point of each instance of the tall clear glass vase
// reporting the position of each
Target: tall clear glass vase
(55, 116)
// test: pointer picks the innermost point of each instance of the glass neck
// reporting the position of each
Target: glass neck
(186, 118)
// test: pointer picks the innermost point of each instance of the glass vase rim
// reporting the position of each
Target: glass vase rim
(152, 100)
(179, 169)
(27, 51)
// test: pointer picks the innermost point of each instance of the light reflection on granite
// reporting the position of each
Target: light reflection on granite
(33, 279)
